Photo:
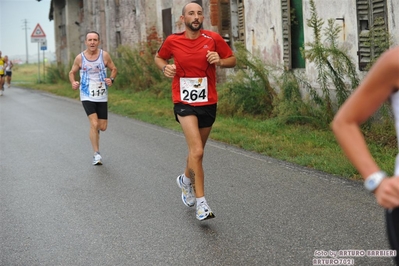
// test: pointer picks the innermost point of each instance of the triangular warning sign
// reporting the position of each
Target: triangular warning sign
(38, 32)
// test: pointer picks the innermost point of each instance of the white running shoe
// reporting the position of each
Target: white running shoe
(97, 159)
(204, 212)
(187, 193)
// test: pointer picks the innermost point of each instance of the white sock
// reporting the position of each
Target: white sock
(186, 180)
(200, 200)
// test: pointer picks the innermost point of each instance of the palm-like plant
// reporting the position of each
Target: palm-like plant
(333, 64)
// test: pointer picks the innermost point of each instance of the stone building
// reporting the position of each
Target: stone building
(264, 26)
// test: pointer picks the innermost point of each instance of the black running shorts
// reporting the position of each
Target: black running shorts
(206, 114)
(100, 108)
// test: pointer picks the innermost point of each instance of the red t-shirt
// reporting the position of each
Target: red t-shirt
(192, 68)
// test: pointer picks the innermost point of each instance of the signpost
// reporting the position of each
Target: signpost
(43, 47)
(39, 36)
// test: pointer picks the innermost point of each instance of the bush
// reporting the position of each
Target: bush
(334, 66)
(292, 108)
(248, 91)
(138, 72)
(57, 73)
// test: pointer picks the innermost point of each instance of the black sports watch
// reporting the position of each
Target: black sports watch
(112, 79)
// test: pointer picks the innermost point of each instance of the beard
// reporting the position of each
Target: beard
(192, 27)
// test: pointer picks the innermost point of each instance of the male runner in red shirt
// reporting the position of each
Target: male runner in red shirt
(195, 53)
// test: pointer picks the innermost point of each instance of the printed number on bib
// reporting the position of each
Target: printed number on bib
(98, 90)
(194, 90)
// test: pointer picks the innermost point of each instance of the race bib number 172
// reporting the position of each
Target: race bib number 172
(194, 90)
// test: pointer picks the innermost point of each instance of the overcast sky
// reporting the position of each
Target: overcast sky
(13, 14)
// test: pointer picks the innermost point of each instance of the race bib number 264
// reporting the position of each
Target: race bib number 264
(194, 90)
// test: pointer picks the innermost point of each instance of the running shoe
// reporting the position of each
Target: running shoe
(204, 212)
(97, 159)
(187, 193)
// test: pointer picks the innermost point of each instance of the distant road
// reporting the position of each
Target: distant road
(58, 209)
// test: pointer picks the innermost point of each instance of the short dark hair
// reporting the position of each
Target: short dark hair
(184, 7)
(93, 32)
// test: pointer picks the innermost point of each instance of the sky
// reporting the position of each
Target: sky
(13, 37)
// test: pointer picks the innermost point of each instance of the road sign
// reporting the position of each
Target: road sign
(38, 34)
(43, 45)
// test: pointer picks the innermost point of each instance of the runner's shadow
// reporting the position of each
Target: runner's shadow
(207, 229)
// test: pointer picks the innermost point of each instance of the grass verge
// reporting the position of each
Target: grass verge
(299, 144)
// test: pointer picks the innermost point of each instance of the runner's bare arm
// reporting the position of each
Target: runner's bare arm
(75, 68)
(214, 58)
(169, 70)
(111, 66)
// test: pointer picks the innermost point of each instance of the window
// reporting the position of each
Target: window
(224, 24)
(118, 39)
(233, 18)
(293, 33)
(167, 22)
(241, 21)
(372, 30)
(228, 17)
(286, 14)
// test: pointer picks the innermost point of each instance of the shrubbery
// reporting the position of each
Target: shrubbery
(256, 88)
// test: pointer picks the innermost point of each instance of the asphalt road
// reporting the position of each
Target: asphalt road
(58, 209)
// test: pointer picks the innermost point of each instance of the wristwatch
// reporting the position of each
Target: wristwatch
(112, 79)
(373, 181)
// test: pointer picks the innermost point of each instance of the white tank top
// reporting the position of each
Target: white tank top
(8, 67)
(395, 110)
(92, 79)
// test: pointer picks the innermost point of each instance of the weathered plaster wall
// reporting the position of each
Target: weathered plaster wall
(72, 11)
(139, 21)
(393, 19)
(333, 9)
(263, 25)
(125, 20)
(60, 41)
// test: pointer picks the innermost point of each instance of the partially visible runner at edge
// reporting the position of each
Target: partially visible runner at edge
(2, 74)
(8, 71)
